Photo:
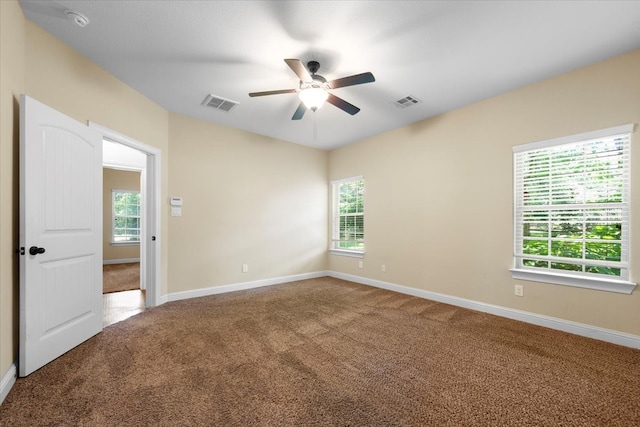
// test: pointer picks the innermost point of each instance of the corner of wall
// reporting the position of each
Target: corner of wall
(12, 84)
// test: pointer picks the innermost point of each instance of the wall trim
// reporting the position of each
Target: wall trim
(120, 261)
(213, 290)
(582, 329)
(7, 382)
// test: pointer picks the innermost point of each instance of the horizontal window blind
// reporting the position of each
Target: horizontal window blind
(126, 223)
(572, 206)
(348, 214)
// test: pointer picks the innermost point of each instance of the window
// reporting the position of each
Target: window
(572, 210)
(348, 216)
(126, 216)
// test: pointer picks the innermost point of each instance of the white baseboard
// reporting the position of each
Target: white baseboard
(608, 335)
(595, 332)
(176, 296)
(120, 261)
(8, 380)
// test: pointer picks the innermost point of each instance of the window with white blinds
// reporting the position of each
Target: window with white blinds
(348, 215)
(572, 205)
(126, 219)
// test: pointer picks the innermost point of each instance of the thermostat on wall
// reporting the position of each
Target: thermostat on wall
(176, 201)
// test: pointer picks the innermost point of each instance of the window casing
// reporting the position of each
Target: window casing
(348, 216)
(571, 210)
(125, 217)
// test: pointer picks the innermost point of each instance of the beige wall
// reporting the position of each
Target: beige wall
(12, 47)
(247, 199)
(439, 193)
(114, 179)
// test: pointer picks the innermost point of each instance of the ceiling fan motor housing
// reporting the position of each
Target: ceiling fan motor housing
(313, 66)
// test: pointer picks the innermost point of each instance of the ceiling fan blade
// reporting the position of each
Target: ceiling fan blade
(357, 79)
(342, 104)
(272, 92)
(301, 71)
(299, 112)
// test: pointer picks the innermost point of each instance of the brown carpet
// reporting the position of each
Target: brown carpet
(120, 277)
(326, 352)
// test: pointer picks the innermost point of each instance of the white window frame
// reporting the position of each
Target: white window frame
(113, 219)
(335, 219)
(620, 284)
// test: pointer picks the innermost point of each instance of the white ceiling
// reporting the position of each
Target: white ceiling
(446, 53)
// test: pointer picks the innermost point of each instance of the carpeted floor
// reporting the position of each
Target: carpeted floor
(120, 277)
(325, 352)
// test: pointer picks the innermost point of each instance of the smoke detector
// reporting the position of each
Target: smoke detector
(78, 18)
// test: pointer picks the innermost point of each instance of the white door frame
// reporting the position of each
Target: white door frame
(150, 247)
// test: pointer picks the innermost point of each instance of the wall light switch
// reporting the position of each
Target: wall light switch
(176, 211)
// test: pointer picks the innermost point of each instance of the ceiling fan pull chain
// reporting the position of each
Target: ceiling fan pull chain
(315, 129)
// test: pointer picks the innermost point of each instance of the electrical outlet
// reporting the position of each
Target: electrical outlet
(360, 265)
(245, 268)
(518, 290)
(383, 268)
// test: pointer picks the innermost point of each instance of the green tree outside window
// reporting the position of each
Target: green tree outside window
(126, 216)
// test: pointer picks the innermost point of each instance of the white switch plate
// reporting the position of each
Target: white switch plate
(245, 268)
(176, 211)
(360, 265)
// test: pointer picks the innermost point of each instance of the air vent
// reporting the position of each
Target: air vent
(407, 101)
(219, 103)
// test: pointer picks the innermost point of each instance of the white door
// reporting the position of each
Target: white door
(60, 234)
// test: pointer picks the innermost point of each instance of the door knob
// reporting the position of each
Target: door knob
(34, 250)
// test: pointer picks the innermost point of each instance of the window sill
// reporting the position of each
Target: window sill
(610, 285)
(344, 252)
(125, 243)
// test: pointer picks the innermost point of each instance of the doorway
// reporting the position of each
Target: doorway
(122, 155)
(123, 292)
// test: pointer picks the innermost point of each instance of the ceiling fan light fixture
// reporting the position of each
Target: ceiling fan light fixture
(313, 97)
(314, 89)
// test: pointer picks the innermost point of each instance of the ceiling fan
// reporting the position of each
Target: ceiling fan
(314, 89)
